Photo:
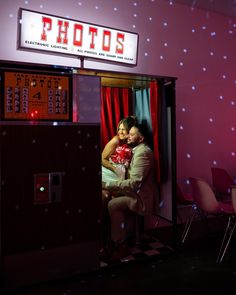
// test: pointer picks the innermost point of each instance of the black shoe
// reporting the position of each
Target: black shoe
(104, 254)
(106, 250)
(119, 252)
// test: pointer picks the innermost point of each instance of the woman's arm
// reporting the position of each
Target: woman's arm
(109, 149)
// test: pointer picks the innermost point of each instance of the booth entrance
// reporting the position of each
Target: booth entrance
(50, 151)
(152, 100)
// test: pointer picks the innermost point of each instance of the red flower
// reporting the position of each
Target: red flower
(123, 155)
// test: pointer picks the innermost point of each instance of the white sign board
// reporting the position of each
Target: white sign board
(44, 32)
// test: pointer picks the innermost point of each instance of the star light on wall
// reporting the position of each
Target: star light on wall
(213, 42)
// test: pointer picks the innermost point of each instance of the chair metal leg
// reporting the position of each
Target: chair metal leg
(227, 237)
(188, 224)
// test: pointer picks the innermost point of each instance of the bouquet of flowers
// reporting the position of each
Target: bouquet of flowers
(122, 155)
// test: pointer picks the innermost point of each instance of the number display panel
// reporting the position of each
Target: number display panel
(36, 96)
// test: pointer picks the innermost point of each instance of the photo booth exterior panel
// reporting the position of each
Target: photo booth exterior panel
(71, 155)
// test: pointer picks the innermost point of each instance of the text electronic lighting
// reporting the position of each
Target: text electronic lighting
(44, 32)
(36, 96)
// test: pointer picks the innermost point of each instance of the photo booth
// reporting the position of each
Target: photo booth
(54, 124)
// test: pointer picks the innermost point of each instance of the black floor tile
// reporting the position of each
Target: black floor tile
(149, 247)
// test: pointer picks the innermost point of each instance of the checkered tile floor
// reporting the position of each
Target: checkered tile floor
(149, 247)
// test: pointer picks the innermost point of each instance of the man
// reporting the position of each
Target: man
(137, 193)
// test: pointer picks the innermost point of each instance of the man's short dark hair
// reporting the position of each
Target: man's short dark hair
(143, 130)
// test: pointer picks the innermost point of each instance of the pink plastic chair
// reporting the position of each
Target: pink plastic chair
(205, 203)
(229, 229)
(221, 182)
(183, 199)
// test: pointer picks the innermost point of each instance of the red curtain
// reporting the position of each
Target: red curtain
(116, 103)
(154, 106)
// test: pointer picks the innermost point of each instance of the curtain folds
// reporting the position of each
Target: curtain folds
(142, 111)
(155, 115)
(116, 103)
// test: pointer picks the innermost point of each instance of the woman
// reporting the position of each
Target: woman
(116, 158)
(116, 155)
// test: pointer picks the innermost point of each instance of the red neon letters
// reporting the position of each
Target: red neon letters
(79, 35)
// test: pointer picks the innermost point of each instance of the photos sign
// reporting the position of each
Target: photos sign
(44, 32)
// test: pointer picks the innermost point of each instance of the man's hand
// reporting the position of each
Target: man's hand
(106, 194)
(120, 171)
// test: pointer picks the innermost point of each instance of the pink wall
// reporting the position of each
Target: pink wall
(193, 45)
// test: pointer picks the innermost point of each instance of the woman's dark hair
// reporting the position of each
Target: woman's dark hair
(128, 122)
